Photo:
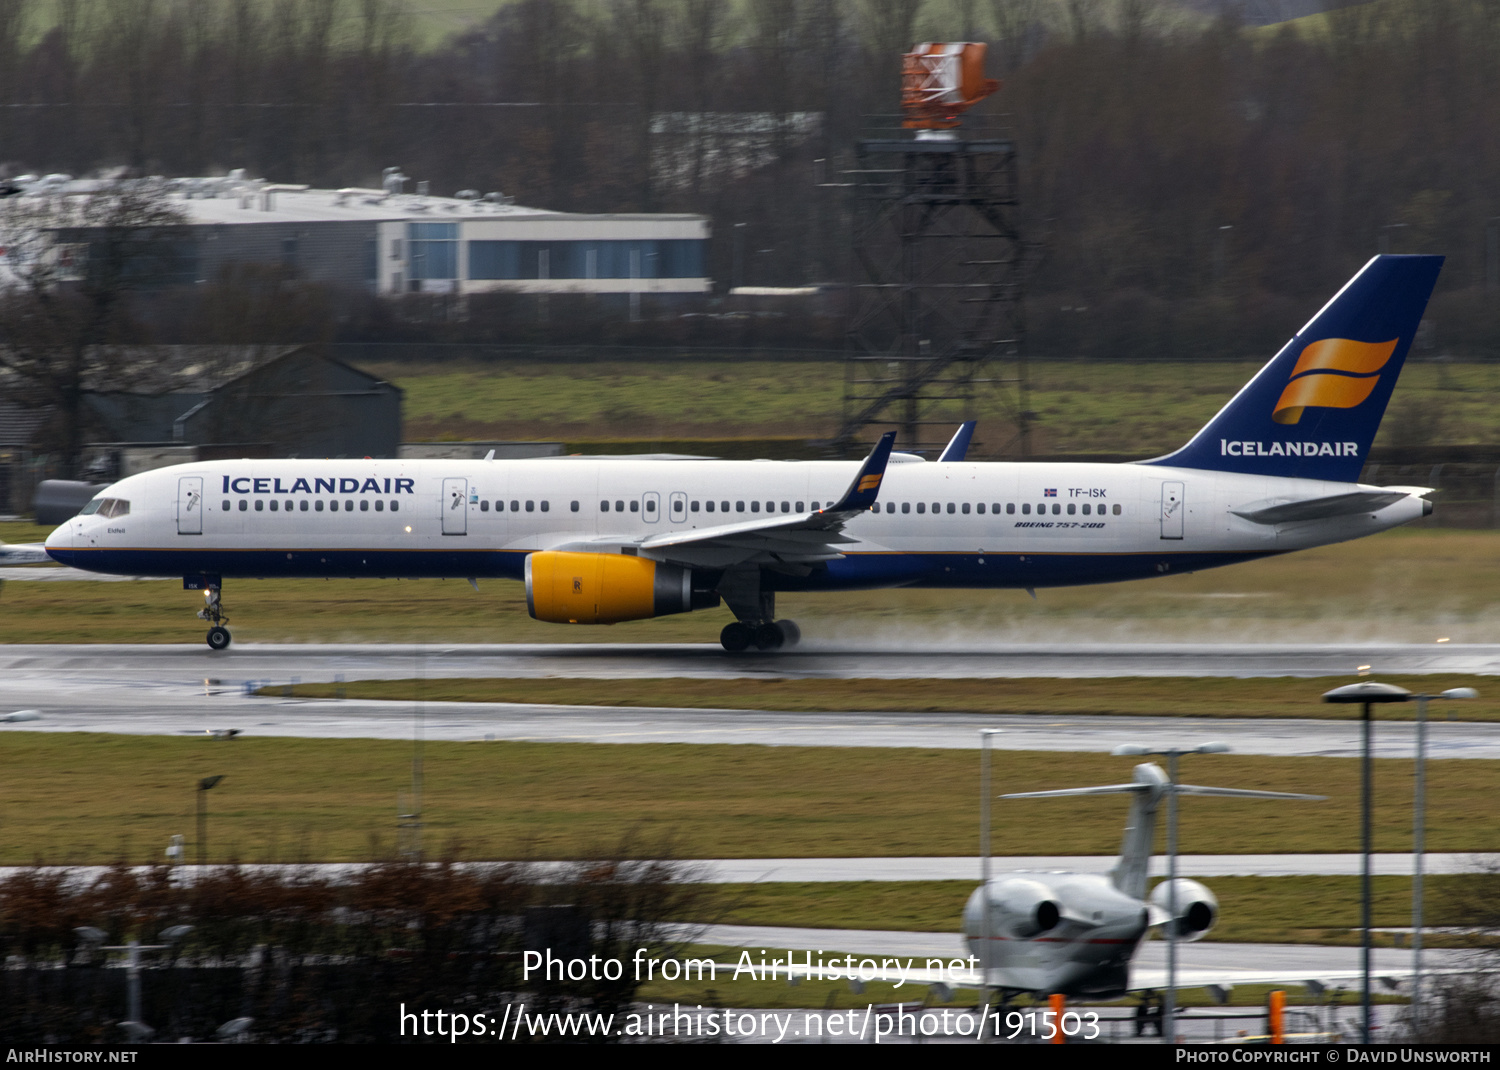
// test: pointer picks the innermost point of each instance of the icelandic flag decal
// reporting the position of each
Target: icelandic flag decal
(1050, 492)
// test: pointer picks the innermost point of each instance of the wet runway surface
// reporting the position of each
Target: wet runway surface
(178, 689)
(281, 662)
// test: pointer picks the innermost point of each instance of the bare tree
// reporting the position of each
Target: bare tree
(71, 262)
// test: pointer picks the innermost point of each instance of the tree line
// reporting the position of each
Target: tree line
(1194, 184)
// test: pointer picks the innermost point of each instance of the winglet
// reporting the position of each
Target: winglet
(958, 446)
(865, 488)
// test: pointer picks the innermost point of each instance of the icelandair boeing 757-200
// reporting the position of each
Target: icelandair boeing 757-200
(598, 540)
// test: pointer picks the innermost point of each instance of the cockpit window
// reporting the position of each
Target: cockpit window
(108, 507)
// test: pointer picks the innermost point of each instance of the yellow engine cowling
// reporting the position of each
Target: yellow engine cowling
(567, 588)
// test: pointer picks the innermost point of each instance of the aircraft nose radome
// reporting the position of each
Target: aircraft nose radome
(60, 542)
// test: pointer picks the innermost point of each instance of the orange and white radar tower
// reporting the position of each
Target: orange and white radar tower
(940, 81)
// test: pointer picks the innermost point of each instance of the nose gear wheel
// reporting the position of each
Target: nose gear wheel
(213, 612)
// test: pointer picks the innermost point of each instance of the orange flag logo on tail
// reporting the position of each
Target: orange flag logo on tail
(1335, 373)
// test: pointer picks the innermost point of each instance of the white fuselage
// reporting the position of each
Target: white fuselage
(951, 524)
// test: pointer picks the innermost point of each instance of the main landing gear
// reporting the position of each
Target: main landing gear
(755, 612)
(739, 636)
(213, 610)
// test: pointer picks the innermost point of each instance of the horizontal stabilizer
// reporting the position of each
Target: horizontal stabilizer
(1245, 793)
(1281, 511)
(1105, 789)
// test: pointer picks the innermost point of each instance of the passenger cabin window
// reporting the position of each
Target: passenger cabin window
(906, 507)
(317, 505)
(650, 505)
(575, 507)
(245, 506)
(1025, 508)
(604, 507)
(303, 506)
(890, 507)
(1071, 509)
(531, 507)
(484, 507)
(546, 505)
(1116, 510)
(333, 506)
(635, 507)
(1010, 508)
(922, 507)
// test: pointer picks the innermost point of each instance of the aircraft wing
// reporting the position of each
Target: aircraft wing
(28, 553)
(793, 539)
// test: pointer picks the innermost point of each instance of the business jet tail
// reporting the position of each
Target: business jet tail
(1149, 786)
(1313, 411)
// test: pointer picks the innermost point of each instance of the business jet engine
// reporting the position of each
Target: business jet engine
(1197, 908)
(1019, 908)
(570, 588)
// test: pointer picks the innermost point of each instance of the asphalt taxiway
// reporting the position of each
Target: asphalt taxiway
(161, 689)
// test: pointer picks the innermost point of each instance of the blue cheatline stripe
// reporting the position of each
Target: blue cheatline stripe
(853, 572)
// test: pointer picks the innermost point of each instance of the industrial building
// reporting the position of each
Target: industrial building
(393, 242)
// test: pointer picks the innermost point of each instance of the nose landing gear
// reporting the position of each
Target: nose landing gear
(213, 611)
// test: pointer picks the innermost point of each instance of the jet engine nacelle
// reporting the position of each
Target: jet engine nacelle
(569, 588)
(1023, 908)
(1197, 908)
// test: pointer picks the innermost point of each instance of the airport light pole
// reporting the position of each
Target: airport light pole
(1367, 693)
(1419, 842)
(1364, 692)
(204, 787)
(1169, 1001)
(985, 794)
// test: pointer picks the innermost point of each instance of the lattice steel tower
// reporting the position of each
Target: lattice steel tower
(939, 318)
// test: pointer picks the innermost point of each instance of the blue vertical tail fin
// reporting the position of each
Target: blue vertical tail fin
(1313, 411)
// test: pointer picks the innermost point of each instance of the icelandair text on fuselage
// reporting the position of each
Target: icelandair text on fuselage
(1331, 1055)
(344, 485)
(1228, 448)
